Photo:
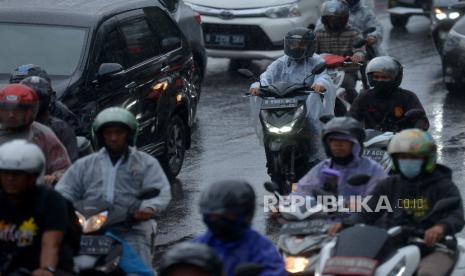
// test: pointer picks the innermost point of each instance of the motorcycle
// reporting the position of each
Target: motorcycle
(368, 250)
(375, 147)
(304, 229)
(100, 251)
(286, 128)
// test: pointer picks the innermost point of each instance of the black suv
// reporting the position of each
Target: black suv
(110, 53)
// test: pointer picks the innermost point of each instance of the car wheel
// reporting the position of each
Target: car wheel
(175, 148)
(399, 21)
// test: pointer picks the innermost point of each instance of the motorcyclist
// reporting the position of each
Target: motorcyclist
(62, 130)
(57, 108)
(227, 208)
(383, 106)
(343, 140)
(190, 259)
(338, 37)
(18, 109)
(363, 18)
(116, 174)
(33, 218)
(419, 179)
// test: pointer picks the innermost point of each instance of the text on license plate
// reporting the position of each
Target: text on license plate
(279, 103)
(225, 40)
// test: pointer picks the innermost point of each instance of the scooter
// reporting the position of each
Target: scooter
(100, 251)
(286, 131)
(375, 147)
(368, 250)
(304, 229)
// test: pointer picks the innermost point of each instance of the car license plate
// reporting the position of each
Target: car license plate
(375, 154)
(95, 245)
(309, 227)
(225, 40)
(350, 266)
(279, 103)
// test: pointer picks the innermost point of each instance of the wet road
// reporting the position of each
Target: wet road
(225, 146)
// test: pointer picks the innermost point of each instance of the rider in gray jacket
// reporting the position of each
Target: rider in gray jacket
(117, 173)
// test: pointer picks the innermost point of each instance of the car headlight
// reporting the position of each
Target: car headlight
(284, 11)
(92, 224)
(295, 264)
(440, 14)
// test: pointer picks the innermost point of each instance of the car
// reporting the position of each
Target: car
(110, 53)
(243, 30)
(453, 58)
(401, 10)
(189, 21)
(443, 16)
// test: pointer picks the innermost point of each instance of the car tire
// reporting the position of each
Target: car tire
(399, 21)
(175, 147)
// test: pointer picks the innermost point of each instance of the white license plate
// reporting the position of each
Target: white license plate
(350, 266)
(224, 40)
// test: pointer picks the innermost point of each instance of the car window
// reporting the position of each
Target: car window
(140, 42)
(168, 34)
(460, 26)
(112, 46)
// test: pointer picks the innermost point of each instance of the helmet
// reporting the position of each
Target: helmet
(388, 66)
(229, 196)
(115, 116)
(343, 125)
(191, 254)
(299, 43)
(18, 96)
(27, 70)
(414, 142)
(20, 155)
(352, 3)
(43, 89)
(335, 14)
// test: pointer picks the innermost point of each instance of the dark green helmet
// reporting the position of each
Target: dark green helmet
(115, 116)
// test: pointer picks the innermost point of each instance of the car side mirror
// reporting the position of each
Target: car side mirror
(106, 70)
(170, 43)
(148, 193)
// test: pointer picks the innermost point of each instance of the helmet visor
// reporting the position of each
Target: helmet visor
(297, 48)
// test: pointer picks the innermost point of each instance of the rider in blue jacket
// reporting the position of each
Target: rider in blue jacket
(228, 208)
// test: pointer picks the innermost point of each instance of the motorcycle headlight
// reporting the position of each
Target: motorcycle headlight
(92, 224)
(284, 11)
(440, 14)
(454, 15)
(295, 264)
(280, 130)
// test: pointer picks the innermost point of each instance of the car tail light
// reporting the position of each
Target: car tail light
(197, 17)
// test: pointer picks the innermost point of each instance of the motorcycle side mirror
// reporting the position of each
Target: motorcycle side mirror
(360, 43)
(319, 68)
(326, 118)
(359, 180)
(415, 113)
(248, 269)
(148, 193)
(271, 187)
(369, 31)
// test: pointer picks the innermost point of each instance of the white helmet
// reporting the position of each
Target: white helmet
(20, 155)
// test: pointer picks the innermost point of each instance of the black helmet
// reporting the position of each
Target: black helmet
(344, 125)
(352, 3)
(28, 70)
(388, 66)
(43, 89)
(191, 254)
(299, 43)
(335, 14)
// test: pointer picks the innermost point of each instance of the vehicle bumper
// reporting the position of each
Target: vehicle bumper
(264, 41)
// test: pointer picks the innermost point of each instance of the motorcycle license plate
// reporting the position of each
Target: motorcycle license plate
(95, 245)
(350, 266)
(310, 227)
(375, 154)
(279, 103)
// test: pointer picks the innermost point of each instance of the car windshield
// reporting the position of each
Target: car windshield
(57, 49)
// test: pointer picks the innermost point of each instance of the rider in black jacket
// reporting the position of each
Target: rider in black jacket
(383, 107)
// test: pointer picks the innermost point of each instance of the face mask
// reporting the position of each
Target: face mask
(383, 87)
(224, 229)
(410, 168)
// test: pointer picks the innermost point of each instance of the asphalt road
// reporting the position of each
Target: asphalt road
(225, 145)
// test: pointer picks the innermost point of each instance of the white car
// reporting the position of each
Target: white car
(252, 29)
